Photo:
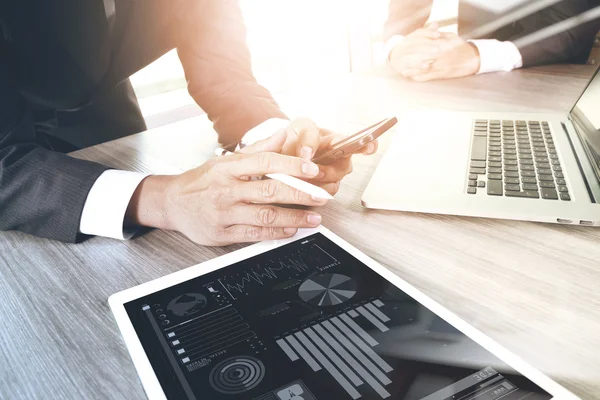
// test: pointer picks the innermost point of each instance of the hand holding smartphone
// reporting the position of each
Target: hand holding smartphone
(355, 142)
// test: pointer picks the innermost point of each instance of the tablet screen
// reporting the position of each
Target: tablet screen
(308, 321)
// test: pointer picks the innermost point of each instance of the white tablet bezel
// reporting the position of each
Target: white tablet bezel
(146, 372)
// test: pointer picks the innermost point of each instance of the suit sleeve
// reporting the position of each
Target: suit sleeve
(406, 16)
(571, 46)
(41, 192)
(213, 50)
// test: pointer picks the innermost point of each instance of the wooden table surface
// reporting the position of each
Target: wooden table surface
(535, 288)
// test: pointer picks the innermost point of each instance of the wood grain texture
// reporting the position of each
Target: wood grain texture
(532, 287)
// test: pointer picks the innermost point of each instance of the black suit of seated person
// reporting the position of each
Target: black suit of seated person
(571, 46)
(64, 69)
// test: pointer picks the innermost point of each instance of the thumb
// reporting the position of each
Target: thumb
(274, 144)
(431, 32)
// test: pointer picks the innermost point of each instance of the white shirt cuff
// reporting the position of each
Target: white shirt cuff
(389, 46)
(263, 131)
(106, 204)
(497, 56)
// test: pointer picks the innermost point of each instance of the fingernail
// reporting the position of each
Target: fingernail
(318, 199)
(306, 153)
(320, 175)
(290, 231)
(314, 219)
(310, 169)
(370, 148)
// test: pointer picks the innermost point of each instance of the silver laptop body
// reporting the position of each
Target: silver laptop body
(532, 166)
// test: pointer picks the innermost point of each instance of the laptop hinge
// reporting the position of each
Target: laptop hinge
(586, 173)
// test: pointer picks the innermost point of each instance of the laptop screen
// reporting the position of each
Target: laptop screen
(586, 117)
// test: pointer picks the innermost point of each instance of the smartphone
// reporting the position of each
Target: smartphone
(353, 143)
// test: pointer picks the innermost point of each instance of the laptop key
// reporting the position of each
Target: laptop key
(526, 162)
(557, 168)
(511, 162)
(565, 197)
(549, 194)
(527, 167)
(481, 184)
(528, 174)
(494, 154)
(512, 188)
(494, 188)
(509, 156)
(495, 164)
(480, 164)
(472, 183)
(478, 171)
(559, 175)
(478, 151)
(495, 170)
(540, 165)
(547, 185)
(512, 181)
(528, 194)
(511, 168)
(494, 177)
(544, 171)
(530, 186)
(529, 179)
(563, 189)
(561, 182)
(546, 178)
(472, 190)
(555, 162)
(511, 174)
(495, 158)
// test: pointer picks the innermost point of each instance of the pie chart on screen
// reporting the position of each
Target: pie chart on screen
(327, 289)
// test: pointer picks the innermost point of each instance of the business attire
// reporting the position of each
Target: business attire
(64, 69)
(500, 50)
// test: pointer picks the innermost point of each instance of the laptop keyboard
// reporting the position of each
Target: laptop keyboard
(515, 159)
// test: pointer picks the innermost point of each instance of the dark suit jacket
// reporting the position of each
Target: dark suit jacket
(63, 54)
(571, 46)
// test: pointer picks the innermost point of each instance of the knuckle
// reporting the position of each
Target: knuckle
(268, 189)
(297, 196)
(264, 161)
(298, 218)
(252, 232)
(267, 216)
(273, 233)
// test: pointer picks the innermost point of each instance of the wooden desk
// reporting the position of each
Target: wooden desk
(532, 287)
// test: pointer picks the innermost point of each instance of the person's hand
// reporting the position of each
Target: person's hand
(305, 139)
(416, 52)
(217, 203)
(457, 58)
(427, 54)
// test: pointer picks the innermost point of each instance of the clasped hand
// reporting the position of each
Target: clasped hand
(218, 203)
(428, 54)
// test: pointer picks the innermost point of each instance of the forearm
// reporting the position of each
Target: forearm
(406, 16)
(213, 50)
(43, 192)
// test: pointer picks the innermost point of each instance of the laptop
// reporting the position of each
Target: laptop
(518, 166)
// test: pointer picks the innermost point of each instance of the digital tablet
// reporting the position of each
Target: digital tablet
(310, 318)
